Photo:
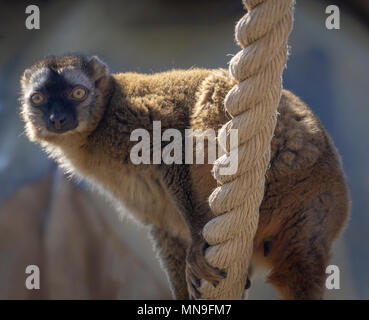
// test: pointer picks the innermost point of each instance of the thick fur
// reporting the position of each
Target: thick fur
(306, 202)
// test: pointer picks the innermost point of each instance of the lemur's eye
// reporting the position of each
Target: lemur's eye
(78, 93)
(37, 98)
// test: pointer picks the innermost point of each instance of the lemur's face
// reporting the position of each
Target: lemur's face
(59, 96)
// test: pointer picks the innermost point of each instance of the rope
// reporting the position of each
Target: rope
(262, 34)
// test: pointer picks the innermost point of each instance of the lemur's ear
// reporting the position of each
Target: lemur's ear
(97, 68)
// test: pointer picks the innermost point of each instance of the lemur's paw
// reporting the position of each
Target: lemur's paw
(198, 268)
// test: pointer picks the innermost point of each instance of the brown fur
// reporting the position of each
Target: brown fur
(306, 202)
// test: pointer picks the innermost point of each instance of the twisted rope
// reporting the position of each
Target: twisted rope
(262, 34)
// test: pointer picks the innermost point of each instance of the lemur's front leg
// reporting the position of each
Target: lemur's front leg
(172, 253)
(195, 215)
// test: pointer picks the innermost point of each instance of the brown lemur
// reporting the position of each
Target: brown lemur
(83, 116)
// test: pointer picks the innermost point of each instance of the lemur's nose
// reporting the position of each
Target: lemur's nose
(57, 120)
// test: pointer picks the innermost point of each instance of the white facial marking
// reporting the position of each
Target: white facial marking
(36, 80)
(75, 77)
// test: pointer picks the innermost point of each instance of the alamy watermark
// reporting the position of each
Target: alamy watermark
(333, 278)
(333, 20)
(180, 149)
(33, 280)
(33, 18)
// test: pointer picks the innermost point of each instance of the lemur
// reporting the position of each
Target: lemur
(83, 116)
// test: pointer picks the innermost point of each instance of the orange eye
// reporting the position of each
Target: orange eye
(37, 98)
(79, 93)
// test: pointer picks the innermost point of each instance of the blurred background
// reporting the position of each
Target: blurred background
(82, 246)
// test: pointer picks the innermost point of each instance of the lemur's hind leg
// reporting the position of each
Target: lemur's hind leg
(300, 271)
(300, 250)
(172, 254)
